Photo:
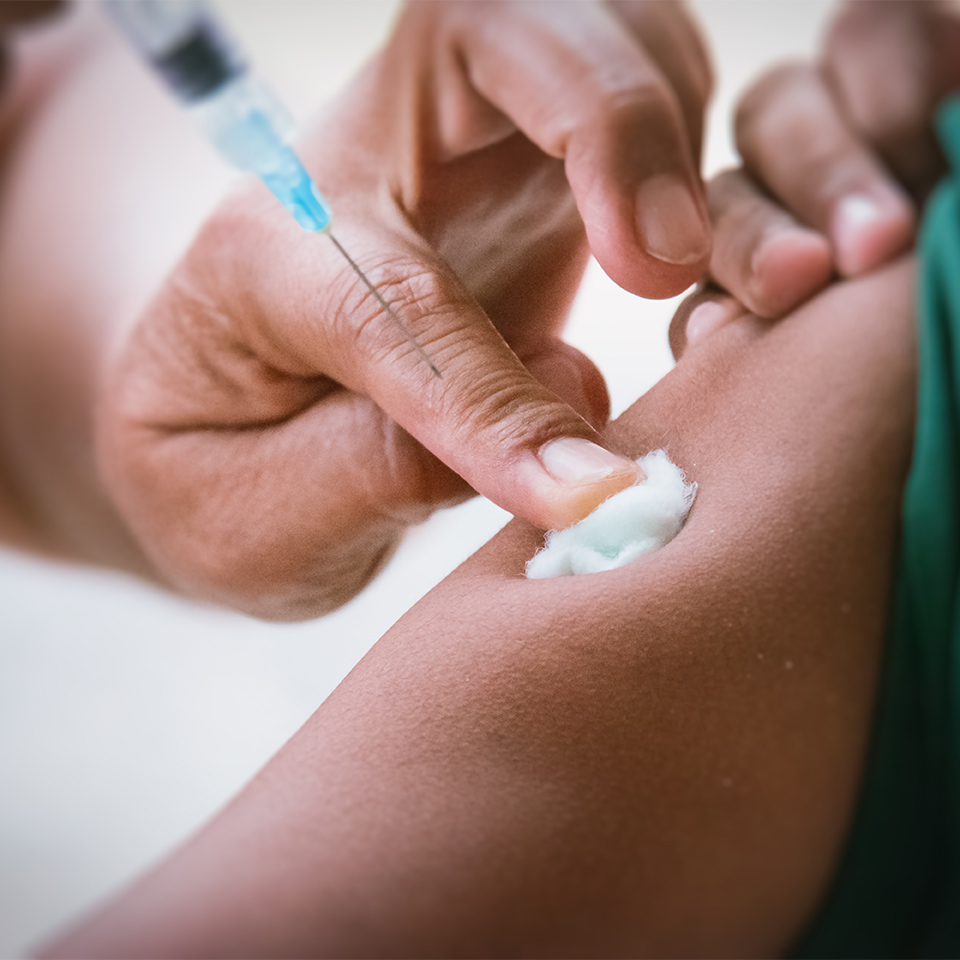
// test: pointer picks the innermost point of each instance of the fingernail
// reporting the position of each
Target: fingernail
(704, 320)
(855, 215)
(788, 265)
(866, 231)
(669, 220)
(575, 461)
(585, 475)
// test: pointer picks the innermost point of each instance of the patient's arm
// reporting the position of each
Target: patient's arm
(659, 760)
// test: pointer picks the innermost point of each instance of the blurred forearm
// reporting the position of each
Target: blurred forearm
(103, 186)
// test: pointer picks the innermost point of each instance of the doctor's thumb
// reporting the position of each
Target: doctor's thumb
(507, 428)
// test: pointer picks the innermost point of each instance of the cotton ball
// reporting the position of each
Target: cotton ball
(635, 521)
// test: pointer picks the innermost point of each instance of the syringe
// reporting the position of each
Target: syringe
(205, 68)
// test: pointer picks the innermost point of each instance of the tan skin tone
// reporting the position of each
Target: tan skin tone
(259, 381)
(835, 154)
(261, 356)
(660, 760)
(657, 760)
(262, 343)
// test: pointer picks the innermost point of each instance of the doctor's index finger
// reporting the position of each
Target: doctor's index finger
(435, 363)
(463, 393)
(579, 82)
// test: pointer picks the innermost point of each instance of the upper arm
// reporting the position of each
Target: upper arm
(660, 759)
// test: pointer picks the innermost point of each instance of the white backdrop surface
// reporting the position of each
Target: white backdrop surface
(127, 716)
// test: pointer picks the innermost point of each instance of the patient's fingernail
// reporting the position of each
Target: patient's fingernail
(575, 461)
(671, 225)
(705, 319)
(854, 217)
(867, 231)
(789, 264)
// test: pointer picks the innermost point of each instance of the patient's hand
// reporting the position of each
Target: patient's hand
(846, 147)
(267, 432)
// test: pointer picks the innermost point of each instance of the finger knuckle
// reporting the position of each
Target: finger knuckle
(644, 128)
(501, 406)
(415, 292)
(493, 401)
(624, 98)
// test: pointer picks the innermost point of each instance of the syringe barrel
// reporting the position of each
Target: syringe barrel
(251, 128)
(183, 41)
(246, 123)
(207, 71)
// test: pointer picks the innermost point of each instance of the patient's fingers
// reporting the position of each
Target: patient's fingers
(761, 254)
(578, 83)
(699, 316)
(888, 63)
(794, 141)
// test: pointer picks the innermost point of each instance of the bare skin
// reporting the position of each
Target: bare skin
(836, 154)
(215, 403)
(660, 760)
(259, 355)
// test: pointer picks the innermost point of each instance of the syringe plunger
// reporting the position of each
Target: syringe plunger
(206, 70)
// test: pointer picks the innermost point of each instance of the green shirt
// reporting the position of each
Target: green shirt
(897, 891)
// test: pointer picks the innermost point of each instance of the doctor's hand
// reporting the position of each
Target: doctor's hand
(837, 156)
(19, 13)
(267, 432)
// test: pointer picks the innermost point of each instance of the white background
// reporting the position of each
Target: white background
(127, 717)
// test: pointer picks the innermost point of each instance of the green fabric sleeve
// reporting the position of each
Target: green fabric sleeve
(897, 890)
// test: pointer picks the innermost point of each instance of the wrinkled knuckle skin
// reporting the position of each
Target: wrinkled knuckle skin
(221, 543)
(414, 292)
(499, 407)
(492, 398)
(495, 402)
